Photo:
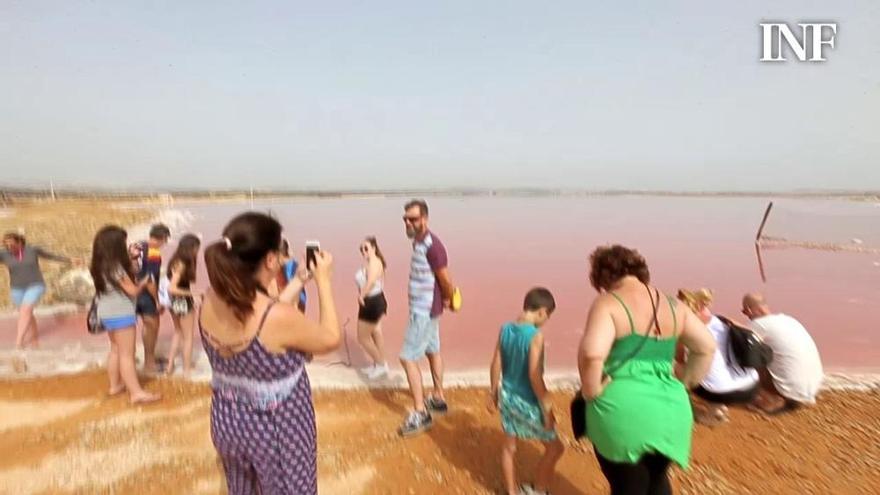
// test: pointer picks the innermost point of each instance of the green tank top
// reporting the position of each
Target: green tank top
(516, 340)
(645, 408)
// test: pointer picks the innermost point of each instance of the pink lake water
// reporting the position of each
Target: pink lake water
(500, 247)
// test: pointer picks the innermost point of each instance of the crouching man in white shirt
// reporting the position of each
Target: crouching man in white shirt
(795, 375)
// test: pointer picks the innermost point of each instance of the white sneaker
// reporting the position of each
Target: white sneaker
(367, 370)
(528, 489)
(379, 371)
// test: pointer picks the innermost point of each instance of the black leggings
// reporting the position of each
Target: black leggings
(648, 477)
(736, 397)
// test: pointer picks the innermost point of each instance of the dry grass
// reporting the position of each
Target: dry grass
(64, 227)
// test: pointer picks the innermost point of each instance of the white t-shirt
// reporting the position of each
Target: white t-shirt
(724, 378)
(796, 367)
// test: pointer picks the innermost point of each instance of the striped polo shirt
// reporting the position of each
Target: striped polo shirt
(425, 297)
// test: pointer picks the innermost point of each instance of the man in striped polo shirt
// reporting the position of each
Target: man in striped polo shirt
(430, 290)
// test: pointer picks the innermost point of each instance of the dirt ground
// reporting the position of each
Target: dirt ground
(61, 435)
(65, 227)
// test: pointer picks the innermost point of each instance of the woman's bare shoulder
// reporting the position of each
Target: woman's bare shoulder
(602, 302)
(282, 322)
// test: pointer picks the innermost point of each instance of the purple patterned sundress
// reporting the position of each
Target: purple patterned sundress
(263, 419)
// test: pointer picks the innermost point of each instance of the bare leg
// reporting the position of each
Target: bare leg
(414, 377)
(436, 363)
(547, 465)
(151, 335)
(175, 344)
(25, 316)
(34, 333)
(116, 385)
(187, 327)
(508, 466)
(379, 341)
(365, 339)
(125, 341)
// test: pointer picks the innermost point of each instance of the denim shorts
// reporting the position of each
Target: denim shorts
(27, 296)
(145, 305)
(118, 322)
(422, 337)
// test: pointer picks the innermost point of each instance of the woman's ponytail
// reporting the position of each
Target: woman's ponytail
(232, 263)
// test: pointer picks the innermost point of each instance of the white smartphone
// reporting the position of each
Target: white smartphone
(312, 248)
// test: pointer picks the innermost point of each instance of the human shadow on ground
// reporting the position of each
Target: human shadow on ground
(476, 448)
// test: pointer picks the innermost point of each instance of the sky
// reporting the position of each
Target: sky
(370, 95)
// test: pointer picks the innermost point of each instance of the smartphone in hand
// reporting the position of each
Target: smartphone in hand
(312, 248)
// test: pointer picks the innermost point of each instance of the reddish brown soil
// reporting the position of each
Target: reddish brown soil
(61, 435)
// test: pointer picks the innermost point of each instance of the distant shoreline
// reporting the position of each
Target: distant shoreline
(11, 195)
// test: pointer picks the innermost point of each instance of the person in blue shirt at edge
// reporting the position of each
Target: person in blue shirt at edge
(290, 273)
(149, 260)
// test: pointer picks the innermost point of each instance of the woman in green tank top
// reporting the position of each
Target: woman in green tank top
(639, 416)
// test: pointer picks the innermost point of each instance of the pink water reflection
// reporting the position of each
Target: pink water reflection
(500, 247)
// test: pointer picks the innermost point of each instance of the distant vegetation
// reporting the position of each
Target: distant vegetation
(11, 195)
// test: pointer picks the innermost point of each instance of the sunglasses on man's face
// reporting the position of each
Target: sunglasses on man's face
(407, 219)
(363, 249)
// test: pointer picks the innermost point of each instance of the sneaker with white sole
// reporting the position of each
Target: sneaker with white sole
(366, 370)
(415, 423)
(529, 489)
(378, 371)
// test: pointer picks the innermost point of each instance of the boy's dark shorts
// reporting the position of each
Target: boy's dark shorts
(146, 305)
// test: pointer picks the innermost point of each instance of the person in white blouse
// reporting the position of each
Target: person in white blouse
(726, 383)
(372, 306)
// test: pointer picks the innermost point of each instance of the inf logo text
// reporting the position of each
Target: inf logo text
(814, 37)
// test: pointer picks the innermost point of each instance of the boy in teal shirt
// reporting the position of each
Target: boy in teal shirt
(526, 411)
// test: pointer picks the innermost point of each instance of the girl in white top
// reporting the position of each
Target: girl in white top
(726, 382)
(372, 307)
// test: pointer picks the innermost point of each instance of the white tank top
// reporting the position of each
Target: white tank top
(360, 277)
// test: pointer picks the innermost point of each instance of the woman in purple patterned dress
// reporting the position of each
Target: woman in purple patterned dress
(262, 417)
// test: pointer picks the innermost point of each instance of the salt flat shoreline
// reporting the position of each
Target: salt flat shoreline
(76, 358)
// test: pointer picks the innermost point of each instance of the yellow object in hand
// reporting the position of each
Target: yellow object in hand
(455, 303)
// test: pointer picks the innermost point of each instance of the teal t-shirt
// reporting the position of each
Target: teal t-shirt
(516, 338)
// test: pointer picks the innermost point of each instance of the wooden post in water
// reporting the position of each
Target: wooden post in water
(760, 262)
(758, 242)
(764, 221)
